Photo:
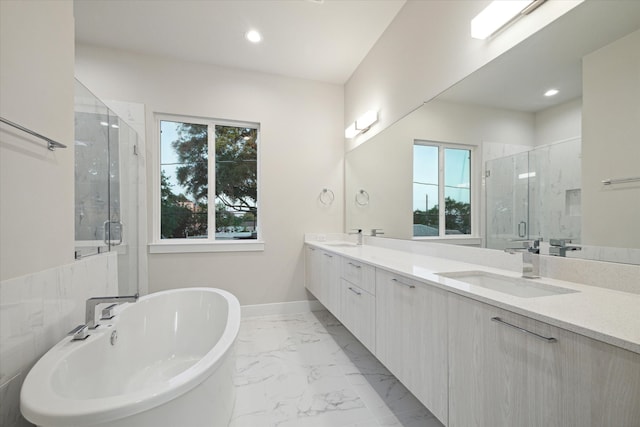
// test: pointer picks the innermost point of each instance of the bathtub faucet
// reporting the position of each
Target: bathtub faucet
(90, 313)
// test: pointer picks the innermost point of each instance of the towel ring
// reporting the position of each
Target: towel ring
(362, 198)
(327, 197)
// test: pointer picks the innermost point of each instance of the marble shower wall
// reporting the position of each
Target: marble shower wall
(37, 311)
(555, 201)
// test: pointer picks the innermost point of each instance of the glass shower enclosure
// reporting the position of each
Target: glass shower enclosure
(106, 186)
(535, 194)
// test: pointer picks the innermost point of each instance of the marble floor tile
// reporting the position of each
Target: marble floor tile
(307, 370)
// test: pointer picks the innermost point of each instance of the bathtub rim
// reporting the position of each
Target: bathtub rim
(46, 407)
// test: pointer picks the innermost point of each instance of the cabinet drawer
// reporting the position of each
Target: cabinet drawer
(386, 278)
(359, 313)
(360, 274)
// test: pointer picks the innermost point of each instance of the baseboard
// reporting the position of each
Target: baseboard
(281, 308)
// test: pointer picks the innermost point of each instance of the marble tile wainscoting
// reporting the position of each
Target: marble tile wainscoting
(307, 370)
(36, 311)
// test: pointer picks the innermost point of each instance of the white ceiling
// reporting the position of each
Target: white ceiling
(322, 40)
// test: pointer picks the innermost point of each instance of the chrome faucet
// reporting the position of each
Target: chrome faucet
(358, 231)
(107, 313)
(376, 232)
(530, 262)
(559, 247)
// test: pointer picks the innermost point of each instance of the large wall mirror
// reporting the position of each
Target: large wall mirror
(492, 159)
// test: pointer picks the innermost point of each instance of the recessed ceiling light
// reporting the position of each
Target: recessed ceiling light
(253, 36)
(551, 92)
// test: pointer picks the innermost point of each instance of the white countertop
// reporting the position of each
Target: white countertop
(606, 315)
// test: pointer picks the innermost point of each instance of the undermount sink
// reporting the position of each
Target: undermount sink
(341, 244)
(523, 288)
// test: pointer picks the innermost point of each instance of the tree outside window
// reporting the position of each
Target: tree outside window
(189, 178)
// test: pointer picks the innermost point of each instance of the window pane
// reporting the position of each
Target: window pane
(236, 182)
(183, 180)
(457, 191)
(425, 190)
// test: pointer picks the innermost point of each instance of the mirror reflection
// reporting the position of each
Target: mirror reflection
(493, 160)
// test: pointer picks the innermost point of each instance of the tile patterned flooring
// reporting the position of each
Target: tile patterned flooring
(307, 370)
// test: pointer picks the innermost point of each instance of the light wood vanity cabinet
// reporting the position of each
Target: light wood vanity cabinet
(358, 301)
(503, 376)
(472, 364)
(411, 337)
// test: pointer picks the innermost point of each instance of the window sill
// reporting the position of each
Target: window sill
(173, 247)
(457, 240)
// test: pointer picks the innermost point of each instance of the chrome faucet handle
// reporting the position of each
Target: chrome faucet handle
(90, 319)
(108, 312)
(79, 333)
(529, 245)
(376, 232)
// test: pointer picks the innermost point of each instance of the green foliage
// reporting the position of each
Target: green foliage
(237, 167)
(191, 148)
(178, 219)
(457, 217)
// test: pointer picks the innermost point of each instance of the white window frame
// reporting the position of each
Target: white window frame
(210, 244)
(474, 195)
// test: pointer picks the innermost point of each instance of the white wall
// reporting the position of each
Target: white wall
(611, 148)
(413, 61)
(42, 288)
(36, 87)
(559, 123)
(301, 152)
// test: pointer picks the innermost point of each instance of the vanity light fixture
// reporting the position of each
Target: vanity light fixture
(362, 124)
(551, 92)
(253, 36)
(498, 14)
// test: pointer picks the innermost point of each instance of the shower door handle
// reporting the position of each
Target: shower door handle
(522, 229)
(109, 228)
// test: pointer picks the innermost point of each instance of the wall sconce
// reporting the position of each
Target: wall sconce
(499, 14)
(362, 124)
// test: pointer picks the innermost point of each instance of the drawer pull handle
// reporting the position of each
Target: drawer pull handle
(354, 291)
(542, 337)
(403, 284)
(327, 255)
(355, 265)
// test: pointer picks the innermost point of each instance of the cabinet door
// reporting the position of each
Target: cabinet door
(509, 370)
(330, 282)
(312, 267)
(411, 337)
(358, 313)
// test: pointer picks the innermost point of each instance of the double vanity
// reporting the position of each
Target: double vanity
(480, 346)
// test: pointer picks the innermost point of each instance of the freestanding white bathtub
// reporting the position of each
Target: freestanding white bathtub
(170, 365)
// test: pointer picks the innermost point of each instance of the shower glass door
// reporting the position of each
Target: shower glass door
(106, 186)
(508, 182)
(535, 194)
